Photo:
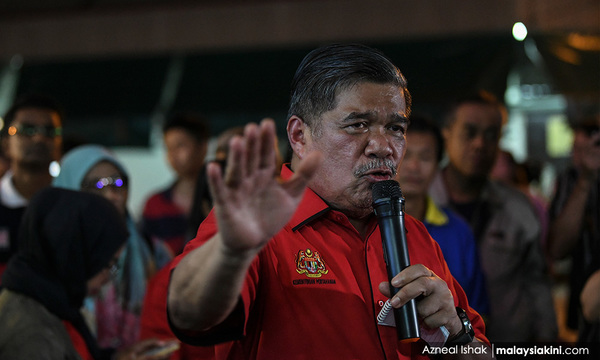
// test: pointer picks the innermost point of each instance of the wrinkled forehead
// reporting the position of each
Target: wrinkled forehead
(103, 168)
(478, 115)
(37, 116)
(344, 87)
(387, 92)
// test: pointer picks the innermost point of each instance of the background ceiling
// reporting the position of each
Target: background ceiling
(109, 60)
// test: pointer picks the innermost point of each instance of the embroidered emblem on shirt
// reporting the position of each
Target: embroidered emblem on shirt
(310, 264)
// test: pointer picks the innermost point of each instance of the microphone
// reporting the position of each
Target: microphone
(388, 204)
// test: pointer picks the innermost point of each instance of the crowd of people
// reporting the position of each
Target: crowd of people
(251, 256)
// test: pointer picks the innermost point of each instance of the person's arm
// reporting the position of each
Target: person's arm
(590, 298)
(566, 227)
(251, 205)
(538, 289)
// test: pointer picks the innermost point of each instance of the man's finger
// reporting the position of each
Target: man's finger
(306, 169)
(215, 181)
(267, 151)
(253, 140)
(410, 274)
(236, 161)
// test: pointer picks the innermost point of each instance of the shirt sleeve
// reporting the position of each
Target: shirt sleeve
(232, 328)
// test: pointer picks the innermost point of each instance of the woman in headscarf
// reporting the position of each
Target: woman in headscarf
(94, 169)
(67, 242)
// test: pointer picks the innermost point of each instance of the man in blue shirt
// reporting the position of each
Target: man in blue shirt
(453, 234)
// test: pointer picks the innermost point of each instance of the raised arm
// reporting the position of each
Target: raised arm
(251, 205)
(590, 300)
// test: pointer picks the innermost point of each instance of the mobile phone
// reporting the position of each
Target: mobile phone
(161, 351)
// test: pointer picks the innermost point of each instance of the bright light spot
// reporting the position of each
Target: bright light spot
(513, 95)
(54, 169)
(519, 31)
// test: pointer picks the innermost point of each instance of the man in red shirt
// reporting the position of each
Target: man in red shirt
(293, 268)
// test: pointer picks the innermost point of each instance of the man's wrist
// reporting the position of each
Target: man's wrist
(235, 256)
(455, 327)
(465, 334)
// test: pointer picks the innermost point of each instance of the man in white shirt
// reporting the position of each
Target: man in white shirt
(31, 140)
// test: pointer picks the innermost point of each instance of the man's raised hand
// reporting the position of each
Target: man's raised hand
(251, 203)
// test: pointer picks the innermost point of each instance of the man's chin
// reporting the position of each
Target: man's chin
(477, 175)
(36, 164)
(359, 213)
(363, 207)
(356, 208)
(411, 188)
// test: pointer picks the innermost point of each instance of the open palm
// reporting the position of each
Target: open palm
(251, 203)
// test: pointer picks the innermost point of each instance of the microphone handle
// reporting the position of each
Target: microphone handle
(395, 252)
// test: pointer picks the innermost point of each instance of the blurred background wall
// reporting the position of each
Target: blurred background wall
(120, 67)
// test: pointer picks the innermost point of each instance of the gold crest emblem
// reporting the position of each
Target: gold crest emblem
(310, 264)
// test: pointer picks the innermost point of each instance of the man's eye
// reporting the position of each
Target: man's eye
(470, 133)
(357, 126)
(397, 128)
(492, 135)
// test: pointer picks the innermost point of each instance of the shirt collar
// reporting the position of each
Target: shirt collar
(9, 196)
(311, 206)
(434, 215)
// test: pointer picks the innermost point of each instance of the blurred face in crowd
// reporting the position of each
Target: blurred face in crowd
(586, 146)
(184, 152)
(419, 165)
(472, 139)
(4, 164)
(362, 142)
(105, 275)
(34, 137)
(106, 180)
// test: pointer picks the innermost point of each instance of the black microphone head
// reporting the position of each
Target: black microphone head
(389, 189)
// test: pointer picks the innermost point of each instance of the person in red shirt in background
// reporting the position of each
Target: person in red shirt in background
(154, 322)
(166, 213)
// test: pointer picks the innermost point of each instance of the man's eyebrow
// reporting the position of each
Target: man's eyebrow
(401, 119)
(367, 115)
(358, 115)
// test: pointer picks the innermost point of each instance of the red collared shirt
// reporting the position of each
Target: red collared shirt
(312, 292)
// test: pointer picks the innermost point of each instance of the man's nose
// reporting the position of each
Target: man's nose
(113, 193)
(410, 163)
(38, 137)
(478, 140)
(379, 144)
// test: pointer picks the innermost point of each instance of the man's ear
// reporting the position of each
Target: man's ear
(298, 133)
(445, 133)
(4, 146)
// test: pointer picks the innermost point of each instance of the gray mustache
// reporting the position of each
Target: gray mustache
(376, 164)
